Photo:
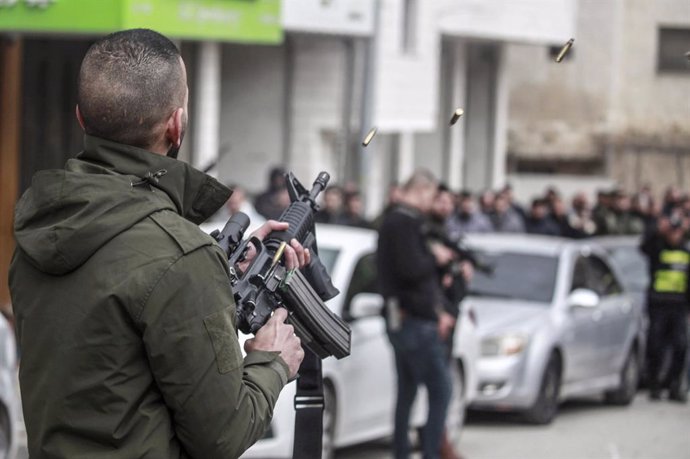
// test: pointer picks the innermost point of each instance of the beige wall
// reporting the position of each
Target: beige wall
(648, 101)
(609, 96)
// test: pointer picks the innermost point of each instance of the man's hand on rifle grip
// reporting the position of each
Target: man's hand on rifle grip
(277, 336)
(295, 255)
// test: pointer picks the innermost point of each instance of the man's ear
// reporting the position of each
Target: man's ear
(79, 117)
(174, 128)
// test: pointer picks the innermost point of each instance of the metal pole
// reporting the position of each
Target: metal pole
(368, 104)
(206, 140)
(288, 84)
(348, 94)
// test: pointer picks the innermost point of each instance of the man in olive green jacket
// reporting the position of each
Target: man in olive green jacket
(125, 316)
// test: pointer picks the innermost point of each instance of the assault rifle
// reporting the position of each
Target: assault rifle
(266, 284)
(457, 245)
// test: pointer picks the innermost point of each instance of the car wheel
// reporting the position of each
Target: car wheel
(5, 433)
(458, 403)
(329, 418)
(630, 374)
(544, 409)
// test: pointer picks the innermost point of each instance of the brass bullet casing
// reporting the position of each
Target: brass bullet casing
(564, 50)
(456, 116)
(369, 136)
(279, 253)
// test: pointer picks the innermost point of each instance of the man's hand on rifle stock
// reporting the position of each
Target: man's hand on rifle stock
(277, 336)
(295, 255)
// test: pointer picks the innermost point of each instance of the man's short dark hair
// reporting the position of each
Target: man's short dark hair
(129, 82)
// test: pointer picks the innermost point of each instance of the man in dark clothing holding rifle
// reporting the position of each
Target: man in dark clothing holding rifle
(417, 323)
(125, 315)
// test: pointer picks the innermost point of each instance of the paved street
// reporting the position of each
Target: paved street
(583, 430)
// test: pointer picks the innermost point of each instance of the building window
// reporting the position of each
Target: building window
(673, 45)
(409, 26)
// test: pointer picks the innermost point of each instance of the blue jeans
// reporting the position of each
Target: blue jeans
(420, 358)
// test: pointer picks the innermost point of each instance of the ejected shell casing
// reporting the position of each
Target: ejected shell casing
(369, 136)
(564, 50)
(279, 253)
(456, 116)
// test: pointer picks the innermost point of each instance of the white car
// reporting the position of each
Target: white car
(555, 322)
(10, 405)
(360, 389)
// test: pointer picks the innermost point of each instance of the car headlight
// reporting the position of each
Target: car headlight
(504, 345)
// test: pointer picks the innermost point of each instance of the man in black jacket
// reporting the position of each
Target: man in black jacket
(668, 300)
(416, 321)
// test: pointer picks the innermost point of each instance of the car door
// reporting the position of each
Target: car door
(616, 316)
(369, 371)
(581, 350)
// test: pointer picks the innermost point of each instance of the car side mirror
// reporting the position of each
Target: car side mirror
(365, 305)
(582, 298)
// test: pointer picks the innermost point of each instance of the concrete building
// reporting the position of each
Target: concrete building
(435, 56)
(617, 109)
(297, 103)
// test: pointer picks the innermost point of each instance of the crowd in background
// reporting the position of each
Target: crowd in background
(614, 211)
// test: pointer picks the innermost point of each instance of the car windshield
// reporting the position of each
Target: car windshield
(517, 276)
(328, 257)
(632, 266)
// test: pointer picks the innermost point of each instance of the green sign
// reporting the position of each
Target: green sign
(247, 21)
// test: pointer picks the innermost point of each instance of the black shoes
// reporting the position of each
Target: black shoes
(678, 395)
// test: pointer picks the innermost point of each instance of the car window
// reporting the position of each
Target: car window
(603, 279)
(514, 275)
(364, 278)
(592, 273)
(632, 266)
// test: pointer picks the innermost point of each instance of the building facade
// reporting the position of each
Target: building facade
(617, 108)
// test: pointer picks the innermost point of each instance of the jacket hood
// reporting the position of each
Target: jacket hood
(68, 214)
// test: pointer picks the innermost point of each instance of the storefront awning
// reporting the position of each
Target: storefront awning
(245, 21)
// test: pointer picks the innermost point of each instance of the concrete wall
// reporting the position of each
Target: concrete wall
(646, 100)
(533, 21)
(317, 106)
(556, 109)
(253, 110)
(407, 82)
(608, 96)
(251, 128)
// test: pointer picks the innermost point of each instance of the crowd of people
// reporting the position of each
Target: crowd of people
(614, 211)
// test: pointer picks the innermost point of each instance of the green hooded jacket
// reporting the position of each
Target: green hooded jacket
(125, 316)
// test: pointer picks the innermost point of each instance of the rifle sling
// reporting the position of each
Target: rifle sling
(309, 405)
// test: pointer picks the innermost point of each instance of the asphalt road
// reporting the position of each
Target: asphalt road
(584, 429)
